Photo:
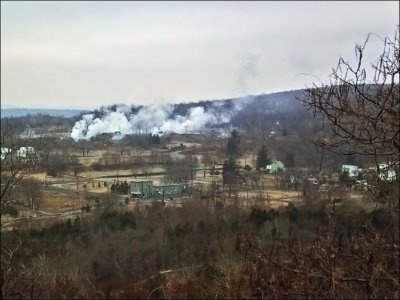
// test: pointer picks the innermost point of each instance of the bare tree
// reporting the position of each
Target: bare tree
(180, 169)
(57, 164)
(362, 109)
(16, 164)
(116, 162)
(279, 179)
(154, 157)
(140, 165)
(32, 189)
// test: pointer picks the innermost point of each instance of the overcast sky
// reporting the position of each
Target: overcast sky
(88, 54)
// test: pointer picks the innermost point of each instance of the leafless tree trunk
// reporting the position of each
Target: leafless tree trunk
(33, 192)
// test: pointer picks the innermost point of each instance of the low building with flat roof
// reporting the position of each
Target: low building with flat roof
(141, 188)
(146, 188)
(170, 189)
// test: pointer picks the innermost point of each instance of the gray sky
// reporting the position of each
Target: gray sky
(87, 54)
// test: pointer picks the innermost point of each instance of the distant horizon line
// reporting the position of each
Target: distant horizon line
(83, 108)
(12, 107)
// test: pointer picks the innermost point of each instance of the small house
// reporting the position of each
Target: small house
(387, 173)
(4, 152)
(275, 167)
(25, 151)
(351, 170)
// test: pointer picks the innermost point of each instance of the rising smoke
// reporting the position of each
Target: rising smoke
(159, 119)
(150, 119)
(248, 69)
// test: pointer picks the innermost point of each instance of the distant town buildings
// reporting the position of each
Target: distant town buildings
(22, 152)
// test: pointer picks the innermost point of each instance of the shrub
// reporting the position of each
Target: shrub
(97, 167)
(11, 211)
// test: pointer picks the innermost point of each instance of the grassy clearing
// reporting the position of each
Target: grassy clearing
(54, 202)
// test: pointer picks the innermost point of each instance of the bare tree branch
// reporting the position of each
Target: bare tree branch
(363, 115)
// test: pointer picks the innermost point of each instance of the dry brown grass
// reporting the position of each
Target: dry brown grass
(54, 202)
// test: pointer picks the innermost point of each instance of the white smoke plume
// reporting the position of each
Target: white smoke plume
(157, 119)
(248, 69)
(151, 119)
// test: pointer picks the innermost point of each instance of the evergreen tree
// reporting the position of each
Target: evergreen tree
(232, 146)
(289, 160)
(351, 160)
(125, 188)
(229, 171)
(263, 158)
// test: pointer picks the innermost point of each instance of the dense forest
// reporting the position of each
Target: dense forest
(310, 251)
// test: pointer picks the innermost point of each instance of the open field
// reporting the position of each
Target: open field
(68, 193)
(56, 202)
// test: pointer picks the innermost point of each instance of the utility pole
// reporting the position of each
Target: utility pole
(77, 193)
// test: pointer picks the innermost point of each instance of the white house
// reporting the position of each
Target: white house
(351, 170)
(275, 166)
(387, 173)
(4, 152)
(25, 151)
